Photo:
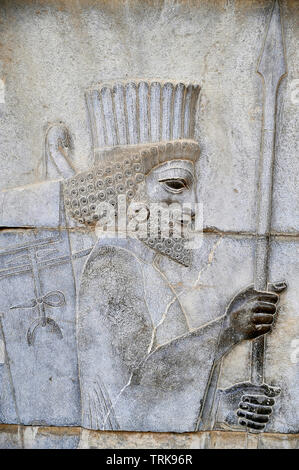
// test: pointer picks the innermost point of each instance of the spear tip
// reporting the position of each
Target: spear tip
(272, 63)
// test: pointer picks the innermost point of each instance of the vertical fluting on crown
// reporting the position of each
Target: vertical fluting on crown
(136, 112)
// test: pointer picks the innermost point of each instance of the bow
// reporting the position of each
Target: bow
(52, 299)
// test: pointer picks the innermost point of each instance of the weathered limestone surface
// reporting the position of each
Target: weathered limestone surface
(103, 336)
(35, 437)
(52, 51)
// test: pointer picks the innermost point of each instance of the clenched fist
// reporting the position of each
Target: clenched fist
(250, 314)
(256, 405)
(247, 405)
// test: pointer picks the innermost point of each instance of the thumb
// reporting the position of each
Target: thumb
(277, 287)
(270, 391)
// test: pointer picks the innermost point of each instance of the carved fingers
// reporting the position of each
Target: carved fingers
(251, 313)
(255, 410)
(262, 310)
(263, 307)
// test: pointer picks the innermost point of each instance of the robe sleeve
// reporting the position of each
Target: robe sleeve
(167, 391)
(114, 331)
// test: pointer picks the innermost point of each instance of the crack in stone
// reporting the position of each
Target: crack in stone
(156, 267)
(116, 400)
(210, 260)
(162, 319)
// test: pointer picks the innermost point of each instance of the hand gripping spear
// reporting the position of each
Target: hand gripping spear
(272, 68)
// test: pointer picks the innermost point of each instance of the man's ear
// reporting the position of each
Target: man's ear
(58, 148)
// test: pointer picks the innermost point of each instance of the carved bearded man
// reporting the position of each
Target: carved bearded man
(141, 366)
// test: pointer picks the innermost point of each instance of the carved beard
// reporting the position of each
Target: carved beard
(172, 247)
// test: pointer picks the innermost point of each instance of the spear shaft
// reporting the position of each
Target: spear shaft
(272, 68)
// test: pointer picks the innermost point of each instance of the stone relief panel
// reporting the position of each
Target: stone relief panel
(110, 318)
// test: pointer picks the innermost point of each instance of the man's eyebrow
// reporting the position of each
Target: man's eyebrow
(175, 173)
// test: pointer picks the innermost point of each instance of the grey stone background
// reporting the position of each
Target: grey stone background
(51, 51)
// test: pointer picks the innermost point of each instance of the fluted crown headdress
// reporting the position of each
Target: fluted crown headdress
(135, 127)
(140, 112)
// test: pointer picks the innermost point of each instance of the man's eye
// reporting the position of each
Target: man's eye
(175, 185)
